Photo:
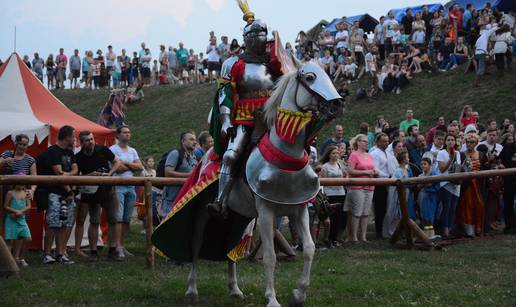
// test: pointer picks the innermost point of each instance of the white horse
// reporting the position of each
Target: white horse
(305, 95)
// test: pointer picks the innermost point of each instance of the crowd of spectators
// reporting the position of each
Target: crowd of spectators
(445, 209)
(173, 65)
(389, 57)
(397, 51)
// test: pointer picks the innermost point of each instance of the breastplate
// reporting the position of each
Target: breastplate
(256, 82)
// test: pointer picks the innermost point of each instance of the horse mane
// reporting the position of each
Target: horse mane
(273, 103)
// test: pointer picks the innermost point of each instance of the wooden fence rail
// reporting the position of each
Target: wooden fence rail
(406, 226)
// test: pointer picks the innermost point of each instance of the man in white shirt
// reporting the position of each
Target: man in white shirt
(380, 159)
(213, 54)
(342, 36)
(493, 148)
(436, 146)
(389, 30)
(481, 51)
(327, 63)
(129, 164)
(110, 63)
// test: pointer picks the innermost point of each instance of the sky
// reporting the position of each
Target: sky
(46, 26)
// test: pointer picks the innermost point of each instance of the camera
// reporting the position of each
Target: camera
(63, 210)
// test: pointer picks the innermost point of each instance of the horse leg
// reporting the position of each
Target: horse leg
(234, 290)
(192, 295)
(302, 222)
(266, 225)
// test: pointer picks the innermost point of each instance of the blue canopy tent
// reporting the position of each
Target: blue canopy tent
(366, 21)
(501, 5)
(332, 26)
(400, 13)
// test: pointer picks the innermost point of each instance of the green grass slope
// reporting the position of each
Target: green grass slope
(470, 273)
(157, 122)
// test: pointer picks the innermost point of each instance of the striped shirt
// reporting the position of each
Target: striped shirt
(21, 166)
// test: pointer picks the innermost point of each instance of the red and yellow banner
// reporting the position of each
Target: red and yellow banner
(290, 123)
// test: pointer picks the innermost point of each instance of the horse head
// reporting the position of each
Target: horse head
(307, 89)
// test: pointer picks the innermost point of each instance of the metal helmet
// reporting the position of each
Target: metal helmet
(255, 36)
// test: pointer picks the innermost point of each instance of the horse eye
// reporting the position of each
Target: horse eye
(310, 77)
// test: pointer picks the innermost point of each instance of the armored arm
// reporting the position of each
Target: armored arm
(227, 129)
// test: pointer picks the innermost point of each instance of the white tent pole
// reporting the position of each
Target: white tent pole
(14, 38)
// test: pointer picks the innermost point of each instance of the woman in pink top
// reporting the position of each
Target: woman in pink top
(359, 198)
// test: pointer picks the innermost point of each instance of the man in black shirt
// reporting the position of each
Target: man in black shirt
(508, 158)
(96, 160)
(60, 161)
(406, 21)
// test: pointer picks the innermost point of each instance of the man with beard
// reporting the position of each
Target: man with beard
(179, 164)
(59, 160)
(96, 160)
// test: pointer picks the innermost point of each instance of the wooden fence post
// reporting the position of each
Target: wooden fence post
(148, 224)
(407, 225)
(7, 264)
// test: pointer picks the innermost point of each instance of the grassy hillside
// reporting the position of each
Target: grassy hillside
(157, 122)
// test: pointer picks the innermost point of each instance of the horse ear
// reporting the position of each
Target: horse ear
(296, 62)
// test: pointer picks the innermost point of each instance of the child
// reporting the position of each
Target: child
(17, 231)
(155, 73)
(428, 198)
(393, 212)
(396, 38)
(419, 38)
(350, 69)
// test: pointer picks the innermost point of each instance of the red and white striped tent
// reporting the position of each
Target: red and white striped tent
(27, 106)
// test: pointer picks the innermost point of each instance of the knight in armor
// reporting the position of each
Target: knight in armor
(247, 83)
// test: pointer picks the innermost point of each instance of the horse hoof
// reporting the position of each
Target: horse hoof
(191, 299)
(237, 296)
(297, 299)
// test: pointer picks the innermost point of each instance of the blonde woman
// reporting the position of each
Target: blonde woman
(359, 198)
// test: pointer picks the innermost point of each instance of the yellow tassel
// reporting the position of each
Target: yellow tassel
(244, 6)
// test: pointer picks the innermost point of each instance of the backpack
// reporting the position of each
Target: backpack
(160, 170)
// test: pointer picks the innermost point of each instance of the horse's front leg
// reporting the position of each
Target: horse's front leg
(266, 224)
(234, 290)
(303, 226)
(192, 295)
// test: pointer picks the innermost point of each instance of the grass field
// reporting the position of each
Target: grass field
(157, 122)
(480, 272)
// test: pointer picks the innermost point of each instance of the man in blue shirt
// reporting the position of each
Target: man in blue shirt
(467, 17)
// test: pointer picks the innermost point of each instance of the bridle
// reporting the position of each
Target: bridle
(323, 107)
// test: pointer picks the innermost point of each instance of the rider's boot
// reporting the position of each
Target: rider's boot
(218, 207)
